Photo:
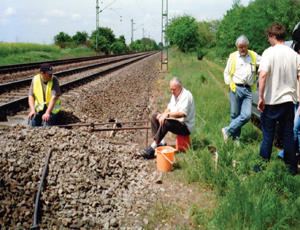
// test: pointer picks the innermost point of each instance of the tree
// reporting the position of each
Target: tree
(183, 32)
(104, 37)
(252, 21)
(80, 37)
(207, 31)
(62, 39)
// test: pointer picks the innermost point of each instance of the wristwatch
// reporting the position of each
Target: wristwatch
(168, 115)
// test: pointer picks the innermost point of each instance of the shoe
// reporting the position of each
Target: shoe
(225, 136)
(148, 153)
(256, 168)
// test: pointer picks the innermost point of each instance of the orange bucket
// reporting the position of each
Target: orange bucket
(165, 158)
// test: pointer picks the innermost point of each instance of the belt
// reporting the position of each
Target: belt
(244, 85)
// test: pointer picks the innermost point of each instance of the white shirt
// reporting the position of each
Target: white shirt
(184, 103)
(244, 69)
(282, 65)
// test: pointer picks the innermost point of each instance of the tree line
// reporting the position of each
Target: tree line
(189, 35)
(104, 40)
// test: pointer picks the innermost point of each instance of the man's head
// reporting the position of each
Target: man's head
(242, 43)
(275, 33)
(46, 71)
(175, 86)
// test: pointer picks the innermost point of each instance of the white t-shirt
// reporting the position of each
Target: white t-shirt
(244, 69)
(184, 103)
(282, 65)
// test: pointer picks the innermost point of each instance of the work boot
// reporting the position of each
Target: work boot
(148, 153)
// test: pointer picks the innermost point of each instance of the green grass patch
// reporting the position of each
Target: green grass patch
(14, 53)
(268, 199)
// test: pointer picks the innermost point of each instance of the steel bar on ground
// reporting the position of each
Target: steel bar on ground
(118, 129)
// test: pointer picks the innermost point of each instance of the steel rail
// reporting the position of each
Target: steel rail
(6, 87)
(34, 65)
(14, 105)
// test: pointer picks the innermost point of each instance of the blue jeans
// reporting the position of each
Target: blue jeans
(37, 120)
(284, 114)
(296, 132)
(240, 105)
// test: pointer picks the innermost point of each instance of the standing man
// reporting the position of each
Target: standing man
(178, 118)
(43, 98)
(278, 72)
(239, 74)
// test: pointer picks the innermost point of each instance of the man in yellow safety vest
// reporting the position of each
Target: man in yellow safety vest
(43, 98)
(240, 75)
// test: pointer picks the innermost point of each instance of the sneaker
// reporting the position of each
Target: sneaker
(148, 153)
(225, 136)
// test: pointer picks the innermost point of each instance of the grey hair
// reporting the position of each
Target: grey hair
(241, 40)
(176, 81)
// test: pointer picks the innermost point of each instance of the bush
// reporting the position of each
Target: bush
(201, 53)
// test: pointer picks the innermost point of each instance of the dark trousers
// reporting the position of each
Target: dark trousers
(159, 131)
(284, 114)
(37, 120)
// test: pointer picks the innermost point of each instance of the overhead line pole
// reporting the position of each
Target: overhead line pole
(163, 31)
(97, 23)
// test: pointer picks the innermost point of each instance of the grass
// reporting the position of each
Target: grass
(14, 53)
(269, 199)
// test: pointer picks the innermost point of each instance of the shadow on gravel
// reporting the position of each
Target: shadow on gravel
(68, 118)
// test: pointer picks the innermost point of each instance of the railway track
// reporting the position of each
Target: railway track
(36, 65)
(14, 95)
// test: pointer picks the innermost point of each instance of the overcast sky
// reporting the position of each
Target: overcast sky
(37, 21)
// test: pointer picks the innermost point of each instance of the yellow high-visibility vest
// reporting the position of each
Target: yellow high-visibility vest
(38, 92)
(233, 60)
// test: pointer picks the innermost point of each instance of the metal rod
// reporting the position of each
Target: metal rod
(105, 123)
(36, 208)
(118, 129)
(147, 137)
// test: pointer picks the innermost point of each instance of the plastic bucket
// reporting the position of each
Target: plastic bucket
(165, 158)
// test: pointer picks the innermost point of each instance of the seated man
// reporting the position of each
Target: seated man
(178, 118)
(43, 98)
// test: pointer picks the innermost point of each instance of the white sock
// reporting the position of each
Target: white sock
(163, 142)
(153, 145)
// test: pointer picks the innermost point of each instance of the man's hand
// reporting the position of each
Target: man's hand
(32, 113)
(162, 118)
(261, 105)
(46, 117)
(158, 116)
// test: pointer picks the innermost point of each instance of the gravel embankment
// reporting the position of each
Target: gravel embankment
(95, 180)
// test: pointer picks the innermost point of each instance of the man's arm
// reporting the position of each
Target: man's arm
(167, 114)
(227, 72)
(297, 93)
(31, 106)
(262, 84)
(46, 115)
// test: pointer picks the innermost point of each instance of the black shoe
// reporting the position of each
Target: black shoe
(148, 153)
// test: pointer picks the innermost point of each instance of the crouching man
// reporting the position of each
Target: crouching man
(178, 118)
(43, 98)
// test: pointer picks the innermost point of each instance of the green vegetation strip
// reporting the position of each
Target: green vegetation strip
(14, 53)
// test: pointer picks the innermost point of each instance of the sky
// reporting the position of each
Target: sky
(36, 21)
